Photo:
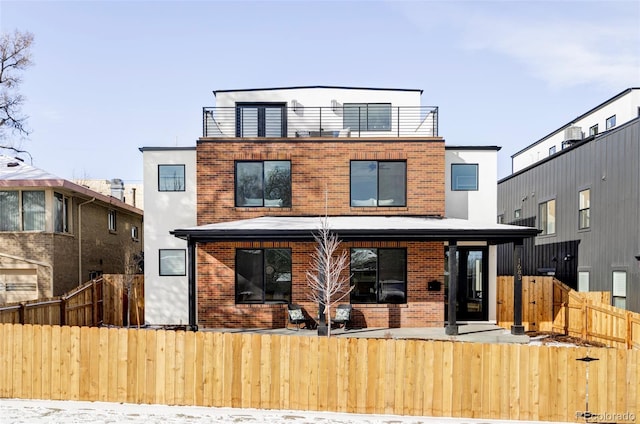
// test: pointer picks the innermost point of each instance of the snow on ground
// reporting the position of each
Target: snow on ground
(14, 411)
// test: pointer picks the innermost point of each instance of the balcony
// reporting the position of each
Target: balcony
(279, 121)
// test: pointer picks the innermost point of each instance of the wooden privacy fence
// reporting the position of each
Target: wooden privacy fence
(372, 376)
(102, 301)
(550, 306)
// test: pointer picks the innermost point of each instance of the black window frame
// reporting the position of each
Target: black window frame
(584, 212)
(184, 254)
(354, 299)
(593, 130)
(454, 187)
(261, 117)
(265, 265)
(610, 122)
(369, 126)
(184, 177)
(377, 200)
(544, 224)
(61, 217)
(287, 203)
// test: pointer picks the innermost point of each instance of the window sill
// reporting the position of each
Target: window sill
(114, 232)
(379, 305)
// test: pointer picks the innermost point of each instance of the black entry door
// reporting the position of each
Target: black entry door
(473, 284)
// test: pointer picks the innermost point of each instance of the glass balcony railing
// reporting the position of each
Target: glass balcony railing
(373, 120)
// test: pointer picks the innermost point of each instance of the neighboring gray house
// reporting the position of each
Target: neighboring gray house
(586, 200)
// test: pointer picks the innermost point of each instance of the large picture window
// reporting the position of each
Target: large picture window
(367, 116)
(378, 183)
(171, 178)
(263, 184)
(379, 275)
(464, 176)
(584, 211)
(547, 217)
(173, 262)
(22, 211)
(263, 275)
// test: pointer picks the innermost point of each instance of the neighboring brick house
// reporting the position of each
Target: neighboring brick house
(55, 234)
(273, 161)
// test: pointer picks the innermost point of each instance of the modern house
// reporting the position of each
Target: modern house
(170, 199)
(55, 234)
(612, 113)
(585, 200)
(272, 162)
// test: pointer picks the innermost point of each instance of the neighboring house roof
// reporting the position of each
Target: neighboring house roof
(317, 86)
(356, 228)
(15, 173)
(467, 147)
(578, 118)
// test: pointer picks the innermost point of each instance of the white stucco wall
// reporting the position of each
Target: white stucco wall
(480, 205)
(625, 108)
(166, 297)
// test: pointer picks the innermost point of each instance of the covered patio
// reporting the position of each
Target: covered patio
(365, 229)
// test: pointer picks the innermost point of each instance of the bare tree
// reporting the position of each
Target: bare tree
(326, 278)
(15, 56)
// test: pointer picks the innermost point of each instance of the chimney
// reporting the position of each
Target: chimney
(117, 188)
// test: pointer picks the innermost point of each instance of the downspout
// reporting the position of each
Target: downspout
(80, 238)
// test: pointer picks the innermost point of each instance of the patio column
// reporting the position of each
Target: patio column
(452, 325)
(517, 328)
(191, 276)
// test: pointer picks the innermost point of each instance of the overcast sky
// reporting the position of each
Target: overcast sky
(112, 76)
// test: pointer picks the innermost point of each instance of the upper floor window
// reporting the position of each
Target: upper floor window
(547, 217)
(263, 184)
(584, 208)
(552, 150)
(464, 176)
(619, 290)
(112, 220)
(135, 233)
(173, 262)
(22, 211)
(379, 275)
(60, 213)
(517, 214)
(593, 130)
(261, 120)
(171, 178)
(500, 219)
(378, 183)
(611, 122)
(367, 116)
(263, 275)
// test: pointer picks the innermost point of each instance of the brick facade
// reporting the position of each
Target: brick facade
(216, 288)
(319, 168)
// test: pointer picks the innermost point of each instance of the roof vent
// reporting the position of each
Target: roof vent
(12, 164)
(573, 133)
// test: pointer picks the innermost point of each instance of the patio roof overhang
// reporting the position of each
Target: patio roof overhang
(356, 228)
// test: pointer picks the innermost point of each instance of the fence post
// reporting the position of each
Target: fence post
(585, 320)
(63, 310)
(629, 323)
(94, 301)
(21, 313)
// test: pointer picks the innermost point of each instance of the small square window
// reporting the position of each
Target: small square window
(552, 150)
(173, 262)
(171, 178)
(464, 177)
(517, 213)
(500, 219)
(593, 130)
(611, 122)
